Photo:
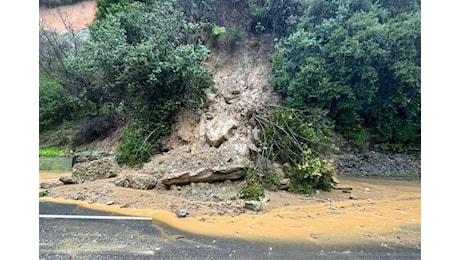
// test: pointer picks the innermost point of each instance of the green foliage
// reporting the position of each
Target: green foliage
(137, 146)
(271, 180)
(274, 16)
(44, 193)
(359, 61)
(54, 105)
(137, 64)
(217, 31)
(313, 174)
(289, 136)
(51, 151)
(252, 189)
(108, 7)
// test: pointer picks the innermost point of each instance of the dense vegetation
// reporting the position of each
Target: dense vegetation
(138, 64)
(353, 66)
(359, 60)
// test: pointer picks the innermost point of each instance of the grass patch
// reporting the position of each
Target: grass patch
(52, 151)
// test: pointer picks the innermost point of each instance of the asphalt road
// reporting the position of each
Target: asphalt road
(72, 232)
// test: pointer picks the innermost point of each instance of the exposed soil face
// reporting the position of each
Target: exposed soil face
(382, 211)
(77, 16)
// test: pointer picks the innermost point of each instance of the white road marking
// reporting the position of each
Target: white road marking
(95, 217)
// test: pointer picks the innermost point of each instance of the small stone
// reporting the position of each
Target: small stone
(367, 190)
(253, 205)
(284, 184)
(67, 180)
(353, 197)
(342, 187)
(181, 213)
(334, 179)
(264, 199)
(110, 202)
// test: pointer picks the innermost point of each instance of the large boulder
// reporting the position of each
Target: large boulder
(230, 172)
(93, 170)
(197, 163)
(87, 156)
(219, 129)
(137, 181)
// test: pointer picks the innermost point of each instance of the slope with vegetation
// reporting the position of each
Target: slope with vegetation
(346, 66)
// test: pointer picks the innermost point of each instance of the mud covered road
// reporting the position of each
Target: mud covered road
(385, 213)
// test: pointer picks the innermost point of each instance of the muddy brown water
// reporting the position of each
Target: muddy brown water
(386, 212)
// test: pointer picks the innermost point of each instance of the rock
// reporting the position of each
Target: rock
(287, 167)
(219, 129)
(139, 181)
(254, 205)
(50, 183)
(235, 91)
(367, 190)
(241, 149)
(341, 187)
(87, 156)
(334, 179)
(264, 199)
(255, 134)
(181, 213)
(278, 170)
(93, 170)
(284, 184)
(353, 197)
(230, 172)
(67, 180)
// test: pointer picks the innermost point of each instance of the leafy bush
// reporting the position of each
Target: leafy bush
(54, 107)
(44, 193)
(289, 136)
(313, 174)
(217, 31)
(137, 146)
(252, 189)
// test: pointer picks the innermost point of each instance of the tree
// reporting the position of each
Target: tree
(359, 61)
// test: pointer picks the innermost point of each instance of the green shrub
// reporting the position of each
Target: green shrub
(289, 136)
(252, 188)
(313, 174)
(44, 193)
(135, 147)
(217, 31)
